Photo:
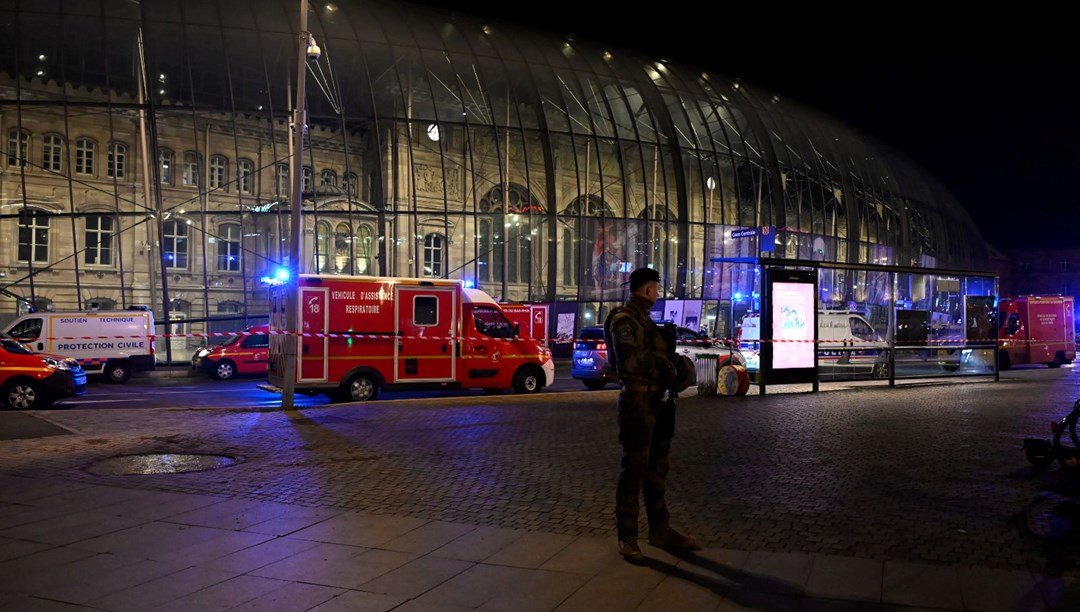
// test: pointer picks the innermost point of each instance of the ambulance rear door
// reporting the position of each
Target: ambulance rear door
(426, 320)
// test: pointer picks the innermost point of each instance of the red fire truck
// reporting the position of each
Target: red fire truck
(1036, 329)
(362, 334)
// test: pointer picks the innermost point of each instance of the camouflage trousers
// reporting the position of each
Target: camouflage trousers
(644, 463)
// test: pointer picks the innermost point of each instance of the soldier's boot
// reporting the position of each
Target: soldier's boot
(630, 551)
(669, 538)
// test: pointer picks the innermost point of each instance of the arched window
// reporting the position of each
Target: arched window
(219, 174)
(38, 304)
(364, 238)
(191, 169)
(342, 245)
(99, 234)
(510, 209)
(322, 247)
(165, 161)
(176, 244)
(245, 176)
(52, 153)
(116, 163)
(434, 255)
(34, 236)
(352, 184)
(228, 251)
(100, 303)
(84, 156)
(18, 148)
(328, 178)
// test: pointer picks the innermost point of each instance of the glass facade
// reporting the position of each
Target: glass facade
(540, 168)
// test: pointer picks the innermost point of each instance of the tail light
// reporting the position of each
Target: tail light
(601, 346)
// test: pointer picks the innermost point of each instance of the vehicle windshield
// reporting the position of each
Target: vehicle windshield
(12, 345)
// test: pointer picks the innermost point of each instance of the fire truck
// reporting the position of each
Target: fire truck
(1036, 329)
(359, 335)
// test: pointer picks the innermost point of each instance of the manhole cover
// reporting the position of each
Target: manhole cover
(160, 463)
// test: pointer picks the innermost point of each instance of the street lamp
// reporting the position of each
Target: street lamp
(308, 50)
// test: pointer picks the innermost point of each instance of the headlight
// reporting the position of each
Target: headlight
(54, 364)
(739, 359)
(203, 352)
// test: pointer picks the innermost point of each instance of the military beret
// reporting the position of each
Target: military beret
(641, 276)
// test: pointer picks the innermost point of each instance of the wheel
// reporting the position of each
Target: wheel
(1067, 456)
(1058, 360)
(1003, 361)
(594, 384)
(528, 380)
(881, 370)
(225, 370)
(117, 371)
(360, 388)
(23, 395)
(950, 367)
(1039, 452)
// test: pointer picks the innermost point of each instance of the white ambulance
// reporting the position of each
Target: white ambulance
(114, 343)
(848, 344)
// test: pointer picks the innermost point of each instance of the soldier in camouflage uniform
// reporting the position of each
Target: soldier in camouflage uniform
(645, 372)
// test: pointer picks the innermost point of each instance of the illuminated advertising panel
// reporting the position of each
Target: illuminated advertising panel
(793, 325)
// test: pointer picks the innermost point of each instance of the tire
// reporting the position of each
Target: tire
(1003, 361)
(359, 388)
(224, 370)
(950, 367)
(117, 371)
(529, 380)
(1058, 360)
(1067, 456)
(881, 370)
(1040, 453)
(594, 384)
(22, 395)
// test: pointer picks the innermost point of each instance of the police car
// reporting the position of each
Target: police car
(591, 366)
(30, 380)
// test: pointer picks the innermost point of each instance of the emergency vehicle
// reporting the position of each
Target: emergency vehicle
(361, 334)
(531, 319)
(114, 343)
(1036, 329)
(246, 353)
(848, 344)
(30, 380)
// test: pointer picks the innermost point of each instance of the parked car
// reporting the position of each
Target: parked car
(30, 380)
(240, 354)
(591, 367)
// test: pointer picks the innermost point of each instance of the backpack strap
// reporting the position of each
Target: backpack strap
(612, 359)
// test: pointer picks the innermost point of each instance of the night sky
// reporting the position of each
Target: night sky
(989, 104)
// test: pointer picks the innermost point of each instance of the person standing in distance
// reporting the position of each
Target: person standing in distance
(641, 361)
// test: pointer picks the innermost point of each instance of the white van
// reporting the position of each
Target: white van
(848, 344)
(114, 343)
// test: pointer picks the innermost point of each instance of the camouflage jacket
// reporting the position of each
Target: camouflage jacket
(640, 349)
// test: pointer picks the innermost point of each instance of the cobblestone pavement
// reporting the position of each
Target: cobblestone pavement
(930, 473)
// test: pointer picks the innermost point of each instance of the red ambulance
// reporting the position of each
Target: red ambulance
(362, 334)
(1036, 329)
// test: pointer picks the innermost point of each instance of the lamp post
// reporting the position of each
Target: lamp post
(307, 49)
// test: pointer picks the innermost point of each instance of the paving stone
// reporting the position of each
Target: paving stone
(259, 555)
(291, 596)
(361, 601)
(531, 550)
(777, 572)
(428, 537)
(355, 529)
(162, 590)
(332, 565)
(415, 577)
(994, 590)
(224, 595)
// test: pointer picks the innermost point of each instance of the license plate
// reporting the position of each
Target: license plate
(80, 379)
(585, 361)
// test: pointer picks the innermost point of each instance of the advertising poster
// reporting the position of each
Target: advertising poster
(673, 311)
(692, 315)
(605, 259)
(793, 325)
